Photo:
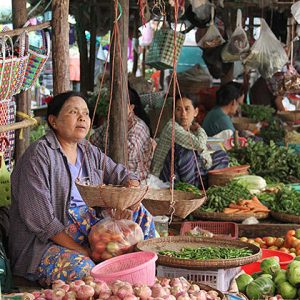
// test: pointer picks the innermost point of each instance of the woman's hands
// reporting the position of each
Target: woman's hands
(194, 127)
(64, 240)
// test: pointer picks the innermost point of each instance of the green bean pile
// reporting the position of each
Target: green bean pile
(202, 253)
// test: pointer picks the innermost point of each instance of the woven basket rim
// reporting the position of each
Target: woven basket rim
(120, 197)
(158, 244)
(285, 217)
(219, 216)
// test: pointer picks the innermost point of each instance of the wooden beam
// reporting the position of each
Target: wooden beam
(60, 46)
(18, 31)
(118, 124)
(18, 125)
(23, 102)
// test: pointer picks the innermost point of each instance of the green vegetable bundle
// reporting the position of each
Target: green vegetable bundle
(202, 253)
(274, 163)
(219, 197)
(286, 201)
(258, 112)
(186, 187)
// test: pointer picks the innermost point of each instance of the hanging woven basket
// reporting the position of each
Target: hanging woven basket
(158, 202)
(110, 196)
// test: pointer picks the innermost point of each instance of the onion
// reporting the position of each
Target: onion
(125, 290)
(37, 294)
(131, 297)
(175, 282)
(85, 292)
(28, 296)
(201, 295)
(58, 294)
(143, 291)
(158, 291)
(57, 284)
(184, 296)
(116, 285)
(74, 286)
(169, 297)
(176, 290)
(48, 294)
(71, 295)
(194, 288)
(165, 282)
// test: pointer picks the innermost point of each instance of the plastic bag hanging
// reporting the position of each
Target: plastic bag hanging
(238, 43)
(295, 10)
(267, 54)
(212, 37)
(201, 8)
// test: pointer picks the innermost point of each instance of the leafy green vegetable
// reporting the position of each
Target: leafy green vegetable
(37, 132)
(242, 281)
(274, 131)
(186, 187)
(270, 265)
(260, 287)
(286, 290)
(274, 163)
(293, 272)
(280, 276)
(258, 112)
(251, 182)
(219, 197)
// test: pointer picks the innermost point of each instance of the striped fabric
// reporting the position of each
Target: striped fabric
(185, 168)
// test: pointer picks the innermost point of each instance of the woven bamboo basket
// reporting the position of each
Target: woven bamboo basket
(219, 216)
(176, 243)
(289, 116)
(287, 218)
(158, 202)
(223, 176)
(242, 123)
(109, 196)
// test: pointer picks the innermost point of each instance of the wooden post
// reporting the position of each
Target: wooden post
(92, 48)
(136, 37)
(119, 112)
(19, 15)
(60, 46)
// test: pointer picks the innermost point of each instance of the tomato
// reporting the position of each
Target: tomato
(273, 248)
(99, 247)
(298, 252)
(279, 242)
(291, 232)
(243, 239)
(105, 237)
(116, 236)
(289, 241)
(283, 249)
(292, 250)
(259, 240)
(270, 241)
(96, 256)
(295, 243)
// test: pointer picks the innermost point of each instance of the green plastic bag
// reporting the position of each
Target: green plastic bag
(5, 196)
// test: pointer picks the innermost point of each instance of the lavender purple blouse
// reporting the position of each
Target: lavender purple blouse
(41, 191)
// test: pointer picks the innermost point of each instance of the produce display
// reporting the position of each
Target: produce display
(272, 280)
(290, 243)
(110, 238)
(220, 197)
(246, 206)
(274, 163)
(203, 253)
(258, 112)
(186, 187)
(89, 289)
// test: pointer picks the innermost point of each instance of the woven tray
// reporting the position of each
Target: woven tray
(178, 242)
(242, 123)
(287, 218)
(118, 197)
(158, 202)
(289, 116)
(214, 216)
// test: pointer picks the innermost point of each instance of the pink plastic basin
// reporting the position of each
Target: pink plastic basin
(135, 268)
(284, 260)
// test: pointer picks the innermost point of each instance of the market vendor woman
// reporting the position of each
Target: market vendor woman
(189, 136)
(50, 221)
(229, 97)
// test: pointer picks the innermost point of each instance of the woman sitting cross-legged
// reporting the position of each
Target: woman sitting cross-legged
(190, 143)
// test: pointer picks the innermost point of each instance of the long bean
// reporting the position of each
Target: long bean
(202, 253)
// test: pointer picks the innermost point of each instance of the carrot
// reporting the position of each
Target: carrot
(228, 210)
(239, 207)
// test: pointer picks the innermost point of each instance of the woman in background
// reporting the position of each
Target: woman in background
(229, 97)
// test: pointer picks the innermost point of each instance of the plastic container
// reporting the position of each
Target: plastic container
(161, 225)
(284, 260)
(135, 268)
(221, 229)
(219, 279)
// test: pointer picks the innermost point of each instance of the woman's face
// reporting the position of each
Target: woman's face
(185, 112)
(235, 104)
(73, 122)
